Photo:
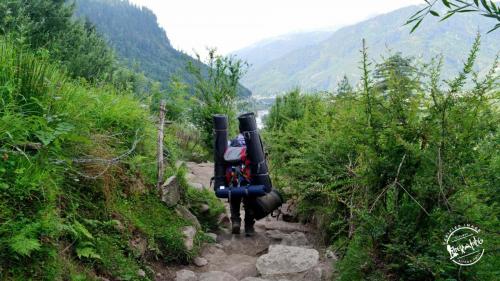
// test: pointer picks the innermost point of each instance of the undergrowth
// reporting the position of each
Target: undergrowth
(388, 168)
(77, 165)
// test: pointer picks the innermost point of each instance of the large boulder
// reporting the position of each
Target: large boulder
(217, 276)
(282, 260)
(171, 191)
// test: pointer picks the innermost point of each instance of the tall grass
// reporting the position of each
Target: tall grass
(72, 154)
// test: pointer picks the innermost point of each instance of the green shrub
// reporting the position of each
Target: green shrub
(195, 198)
(73, 157)
(387, 169)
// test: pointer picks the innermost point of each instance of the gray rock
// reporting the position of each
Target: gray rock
(198, 261)
(212, 235)
(213, 253)
(223, 220)
(286, 259)
(296, 238)
(171, 191)
(314, 274)
(282, 226)
(196, 185)
(329, 254)
(189, 232)
(204, 208)
(275, 234)
(326, 269)
(237, 265)
(141, 273)
(185, 275)
(253, 279)
(217, 276)
(289, 212)
(186, 214)
(139, 245)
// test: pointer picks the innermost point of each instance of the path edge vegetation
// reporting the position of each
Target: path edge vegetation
(387, 167)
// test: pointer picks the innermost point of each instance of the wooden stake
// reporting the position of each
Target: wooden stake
(160, 145)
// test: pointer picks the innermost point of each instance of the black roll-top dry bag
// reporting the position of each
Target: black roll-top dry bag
(264, 205)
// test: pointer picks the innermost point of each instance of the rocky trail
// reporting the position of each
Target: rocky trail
(278, 251)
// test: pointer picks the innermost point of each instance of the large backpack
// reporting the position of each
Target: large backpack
(238, 169)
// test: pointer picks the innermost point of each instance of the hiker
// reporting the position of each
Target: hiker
(238, 174)
(241, 173)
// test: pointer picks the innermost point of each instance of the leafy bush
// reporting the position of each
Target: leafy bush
(76, 163)
(388, 168)
(196, 198)
(215, 92)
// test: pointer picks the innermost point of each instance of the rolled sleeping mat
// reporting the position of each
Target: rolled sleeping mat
(266, 204)
(259, 172)
(242, 191)
(220, 146)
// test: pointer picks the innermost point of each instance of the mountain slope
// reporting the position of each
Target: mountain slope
(320, 67)
(138, 40)
(273, 48)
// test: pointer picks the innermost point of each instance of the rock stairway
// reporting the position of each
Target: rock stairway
(278, 251)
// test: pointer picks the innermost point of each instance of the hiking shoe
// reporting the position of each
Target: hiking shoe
(235, 229)
(249, 230)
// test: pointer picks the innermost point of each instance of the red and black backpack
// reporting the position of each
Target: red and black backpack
(238, 169)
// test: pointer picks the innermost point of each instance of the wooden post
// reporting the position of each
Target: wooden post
(160, 145)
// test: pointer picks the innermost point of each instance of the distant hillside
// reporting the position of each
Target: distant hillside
(321, 66)
(138, 39)
(275, 47)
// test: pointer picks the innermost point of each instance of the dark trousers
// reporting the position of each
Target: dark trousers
(248, 202)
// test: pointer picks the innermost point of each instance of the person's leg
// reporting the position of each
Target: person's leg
(248, 203)
(235, 214)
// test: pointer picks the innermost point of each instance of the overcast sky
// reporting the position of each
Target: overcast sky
(229, 25)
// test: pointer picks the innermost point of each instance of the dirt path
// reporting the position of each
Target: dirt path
(279, 250)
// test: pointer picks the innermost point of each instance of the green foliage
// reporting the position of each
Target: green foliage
(196, 198)
(216, 92)
(389, 169)
(70, 152)
(48, 27)
(140, 42)
(486, 8)
(344, 87)
(161, 225)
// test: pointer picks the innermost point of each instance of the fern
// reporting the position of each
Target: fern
(87, 252)
(23, 245)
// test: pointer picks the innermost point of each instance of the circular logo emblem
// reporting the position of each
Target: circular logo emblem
(464, 244)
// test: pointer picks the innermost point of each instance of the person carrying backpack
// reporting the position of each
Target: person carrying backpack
(241, 172)
(238, 174)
